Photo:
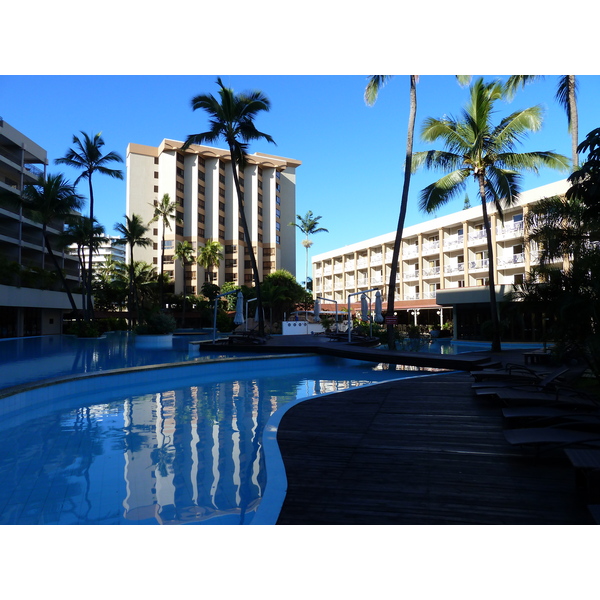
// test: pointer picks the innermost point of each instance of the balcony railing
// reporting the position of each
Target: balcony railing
(375, 259)
(431, 272)
(515, 259)
(510, 231)
(430, 247)
(479, 264)
(410, 251)
(408, 275)
(429, 295)
(477, 236)
(454, 241)
(349, 266)
(414, 296)
(454, 268)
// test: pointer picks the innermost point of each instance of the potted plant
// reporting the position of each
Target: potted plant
(156, 331)
(435, 331)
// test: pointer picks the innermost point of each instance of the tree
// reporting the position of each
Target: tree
(133, 234)
(78, 233)
(308, 225)
(211, 255)
(164, 211)
(184, 252)
(566, 95)
(87, 157)
(376, 82)
(49, 201)
(478, 148)
(232, 118)
(371, 93)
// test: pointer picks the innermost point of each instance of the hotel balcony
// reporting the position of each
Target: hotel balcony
(413, 296)
(349, 265)
(477, 237)
(475, 265)
(513, 230)
(455, 268)
(454, 242)
(338, 268)
(375, 259)
(430, 247)
(410, 275)
(328, 270)
(510, 261)
(411, 250)
(431, 272)
(429, 295)
(362, 263)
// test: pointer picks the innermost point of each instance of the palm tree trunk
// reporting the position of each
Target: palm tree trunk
(90, 306)
(574, 124)
(162, 267)
(403, 207)
(261, 322)
(62, 276)
(496, 346)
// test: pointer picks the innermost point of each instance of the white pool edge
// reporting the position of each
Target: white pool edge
(271, 503)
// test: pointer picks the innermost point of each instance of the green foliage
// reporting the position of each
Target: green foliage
(157, 323)
(414, 331)
(224, 322)
(84, 329)
(210, 291)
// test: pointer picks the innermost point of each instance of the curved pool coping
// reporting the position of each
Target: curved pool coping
(271, 503)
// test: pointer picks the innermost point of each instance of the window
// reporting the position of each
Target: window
(156, 189)
(248, 278)
(222, 206)
(179, 172)
(230, 263)
(201, 189)
(278, 226)
(260, 237)
(277, 213)
(179, 230)
(168, 244)
(221, 234)
(200, 232)
(180, 158)
(179, 186)
(155, 174)
(230, 249)
(221, 220)
(201, 218)
(222, 193)
(278, 239)
(518, 279)
(278, 187)
(260, 223)
(156, 160)
(201, 176)
(278, 199)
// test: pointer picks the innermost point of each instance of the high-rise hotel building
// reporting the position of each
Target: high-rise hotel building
(443, 261)
(200, 181)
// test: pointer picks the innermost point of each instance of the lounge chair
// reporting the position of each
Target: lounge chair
(553, 437)
(511, 372)
(541, 383)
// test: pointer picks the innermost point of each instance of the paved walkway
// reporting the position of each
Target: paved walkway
(418, 451)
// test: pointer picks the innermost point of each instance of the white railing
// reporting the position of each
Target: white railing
(362, 282)
(431, 272)
(349, 266)
(327, 270)
(454, 268)
(377, 280)
(414, 296)
(361, 263)
(429, 247)
(338, 268)
(408, 275)
(515, 259)
(429, 295)
(479, 264)
(411, 250)
(476, 236)
(510, 231)
(454, 241)
(375, 259)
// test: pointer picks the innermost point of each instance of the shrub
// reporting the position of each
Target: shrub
(158, 323)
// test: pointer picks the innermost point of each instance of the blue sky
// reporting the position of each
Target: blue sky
(352, 155)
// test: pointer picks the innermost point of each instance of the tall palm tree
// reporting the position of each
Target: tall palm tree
(566, 95)
(133, 233)
(164, 211)
(86, 156)
(211, 255)
(78, 233)
(232, 118)
(185, 253)
(49, 200)
(371, 93)
(308, 225)
(478, 148)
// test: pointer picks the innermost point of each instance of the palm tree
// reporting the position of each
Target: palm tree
(308, 226)
(47, 201)
(232, 118)
(476, 147)
(566, 95)
(211, 255)
(375, 83)
(88, 158)
(133, 233)
(164, 212)
(185, 253)
(78, 233)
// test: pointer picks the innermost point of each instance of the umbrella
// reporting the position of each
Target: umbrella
(317, 310)
(378, 315)
(364, 308)
(239, 309)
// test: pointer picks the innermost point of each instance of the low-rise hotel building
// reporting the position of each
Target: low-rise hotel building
(200, 181)
(443, 263)
(31, 302)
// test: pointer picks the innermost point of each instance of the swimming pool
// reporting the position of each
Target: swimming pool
(171, 445)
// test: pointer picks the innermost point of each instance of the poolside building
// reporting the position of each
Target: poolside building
(443, 266)
(32, 300)
(200, 181)
(112, 249)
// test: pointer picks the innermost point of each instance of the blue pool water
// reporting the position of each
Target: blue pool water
(172, 445)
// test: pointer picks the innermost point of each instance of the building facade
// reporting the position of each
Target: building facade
(200, 181)
(443, 261)
(32, 302)
(111, 249)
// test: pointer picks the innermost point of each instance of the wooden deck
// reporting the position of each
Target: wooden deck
(418, 451)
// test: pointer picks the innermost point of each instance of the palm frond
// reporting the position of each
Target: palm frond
(443, 190)
(374, 84)
(567, 86)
